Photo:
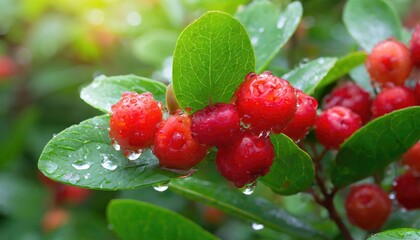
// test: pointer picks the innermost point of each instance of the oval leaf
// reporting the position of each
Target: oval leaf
(253, 208)
(307, 76)
(292, 170)
(211, 59)
(375, 145)
(370, 22)
(399, 233)
(133, 220)
(361, 77)
(269, 29)
(105, 91)
(82, 155)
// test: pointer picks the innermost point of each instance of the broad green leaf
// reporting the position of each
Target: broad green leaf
(361, 77)
(269, 29)
(105, 91)
(133, 220)
(399, 233)
(292, 170)
(375, 145)
(82, 155)
(370, 22)
(342, 67)
(307, 76)
(211, 59)
(252, 208)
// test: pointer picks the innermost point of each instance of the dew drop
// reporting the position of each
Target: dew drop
(392, 196)
(161, 187)
(249, 188)
(133, 155)
(51, 167)
(107, 163)
(54, 135)
(80, 165)
(281, 22)
(116, 145)
(257, 226)
(86, 176)
(72, 178)
(182, 173)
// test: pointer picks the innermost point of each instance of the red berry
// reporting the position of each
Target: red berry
(174, 145)
(266, 102)
(213, 216)
(415, 46)
(133, 120)
(412, 157)
(368, 206)
(71, 194)
(391, 99)
(417, 92)
(335, 125)
(305, 117)
(216, 125)
(245, 160)
(407, 190)
(54, 219)
(7, 67)
(389, 62)
(351, 96)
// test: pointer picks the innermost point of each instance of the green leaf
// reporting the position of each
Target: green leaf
(361, 77)
(211, 59)
(139, 220)
(375, 145)
(269, 29)
(370, 22)
(82, 155)
(104, 91)
(292, 170)
(307, 76)
(342, 67)
(253, 208)
(399, 233)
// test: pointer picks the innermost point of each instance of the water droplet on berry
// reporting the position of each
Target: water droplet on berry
(392, 196)
(134, 155)
(116, 145)
(161, 187)
(51, 167)
(107, 163)
(249, 188)
(264, 134)
(80, 165)
(257, 226)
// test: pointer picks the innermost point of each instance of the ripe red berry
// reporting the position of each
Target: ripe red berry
(389, 62)
(71, 195)
(174, 145)
(245, 160)
(335, 125)
(305, 117)
(391, 99)
(412, 158)
(266, 102)
(407, 190)
(7, 67)
(415, 46)
(417, 92)
(54, 219)
(368, 206)
(351, 96)
(213, 216)
(133, 120)
(216, 125)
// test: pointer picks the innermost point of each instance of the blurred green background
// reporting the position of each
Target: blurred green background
(50, 48)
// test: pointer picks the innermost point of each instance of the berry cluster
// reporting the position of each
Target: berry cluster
(261, 105)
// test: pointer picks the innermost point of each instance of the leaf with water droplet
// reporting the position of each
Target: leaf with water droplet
(398, 233)
(108, 169)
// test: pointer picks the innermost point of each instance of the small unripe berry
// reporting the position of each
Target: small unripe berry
(245, 160)
(368, 206)
(174, 145)
(133, 120)
(305, 117)
(407, 190)
(266, 102)
(389, 63)
(412, 158)
(351, 96)
(335, 125)
(415, 46)
(216, 125)
(391, 99)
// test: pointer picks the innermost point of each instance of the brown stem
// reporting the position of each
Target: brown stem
(332, 211)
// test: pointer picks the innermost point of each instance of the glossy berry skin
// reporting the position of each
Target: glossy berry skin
(389, 63)
(266, 102)
(335, 125)
(391, 99)
(415, 46)
(133, 120)
(305, 117)
(174, 145)
(407, 190)
(351, 96)
(245, 160)
(216, 125)
(368, 206)
(7, 67)
(412, 158)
